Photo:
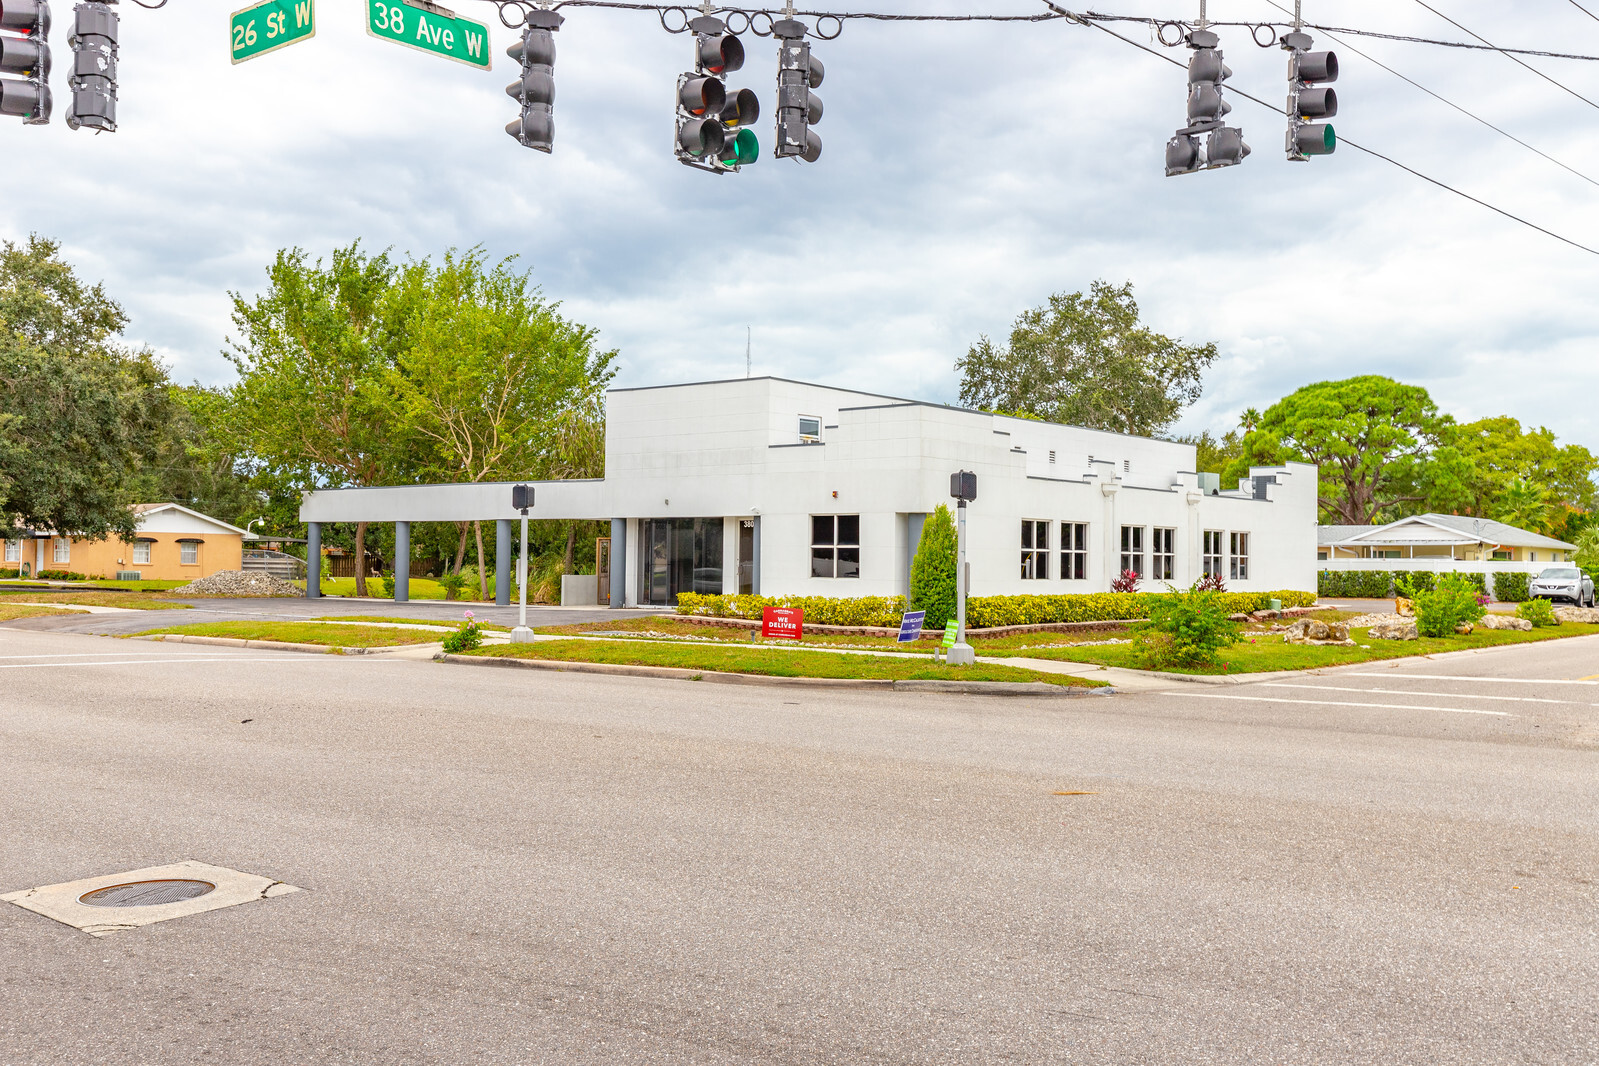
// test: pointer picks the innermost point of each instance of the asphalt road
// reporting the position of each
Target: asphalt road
(509, 866)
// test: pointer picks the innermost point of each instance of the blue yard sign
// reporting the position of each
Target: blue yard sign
(910, 626)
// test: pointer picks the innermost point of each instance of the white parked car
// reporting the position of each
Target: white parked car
(1563, 583)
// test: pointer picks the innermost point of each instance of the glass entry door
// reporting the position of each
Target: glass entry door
(680, 555)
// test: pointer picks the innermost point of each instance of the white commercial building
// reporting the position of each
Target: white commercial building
(779, 487)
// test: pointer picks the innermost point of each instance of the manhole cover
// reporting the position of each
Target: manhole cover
(146, 893)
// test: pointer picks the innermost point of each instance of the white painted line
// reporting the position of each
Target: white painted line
(1330, 703)
(1412, 692)
(134, 662)
(1463, 677)
(66, 655)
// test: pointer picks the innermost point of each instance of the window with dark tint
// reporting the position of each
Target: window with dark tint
(1073, 551)
(1163, 545)
(1212, 555)
(1239, 569)
(836, 545)
(1035, 550)
(1133, 549)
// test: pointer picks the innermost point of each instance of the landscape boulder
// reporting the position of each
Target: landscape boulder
(1504, 621)
(239, 583)
(1312, 631)
(1404, 607)
(1577, 614)
(1393, 631)
(1266, 615)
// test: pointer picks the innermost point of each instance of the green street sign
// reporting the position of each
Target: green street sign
(268, 26)
(430, 29)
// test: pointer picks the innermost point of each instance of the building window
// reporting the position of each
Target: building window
(1163, 549)
(810, 430)
(1035, 550)
(1073, 551)
(1133, 549)
(1212, 554)
(836, 545)
(141, 552)
(1532, 557)
(1502, 556)
(13, 551)
(1388, 553)
(188, 554)
(1240, 556)
(63, 550)
(1321, 556)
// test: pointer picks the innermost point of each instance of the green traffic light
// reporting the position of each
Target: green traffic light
(742, 149)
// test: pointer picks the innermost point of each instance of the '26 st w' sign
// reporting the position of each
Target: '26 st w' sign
(432, 31)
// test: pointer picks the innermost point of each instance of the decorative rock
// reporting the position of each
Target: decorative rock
(1503, 621)
(239, 583)
(1464, 629)
(1577, 614)
(1404, 607)
(1311, 631)
(1393, 631)
(1238, 618)
(1266, 615)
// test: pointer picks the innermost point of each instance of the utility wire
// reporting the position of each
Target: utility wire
(1584, 10)
(1451, 103)
(1342, 140)
(1507, 55)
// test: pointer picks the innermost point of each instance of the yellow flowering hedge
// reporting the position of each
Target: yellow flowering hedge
(982, 612)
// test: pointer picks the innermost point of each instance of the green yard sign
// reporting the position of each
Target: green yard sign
(951, 629)
(431, 30)
(271, 25)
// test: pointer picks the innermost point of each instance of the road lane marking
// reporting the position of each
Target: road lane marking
(1331, 703)
(135, 662)
(70, 655)
(1464, 677)
(1409, 692)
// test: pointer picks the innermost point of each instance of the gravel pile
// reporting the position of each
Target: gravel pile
(1362, 621)
(239, 583)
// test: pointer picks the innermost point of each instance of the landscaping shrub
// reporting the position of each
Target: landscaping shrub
(452, 585)
(388, 584)
(467, 637)
(1451, 601)
(1126, 581)
(1356, 584)
(1211, 583)
(982, 612)
(61, 575)
(1419, 580)
(1510, 587)
(933, 571)
(1186, 628)
(1538, 611)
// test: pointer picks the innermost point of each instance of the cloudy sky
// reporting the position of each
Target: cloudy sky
(969, 171)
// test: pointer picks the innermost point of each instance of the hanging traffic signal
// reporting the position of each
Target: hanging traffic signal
(712, 123)
(1307, 100)
(28, 57)
(798, 72)
(1224, 145)
(94, 67)
(535, 89)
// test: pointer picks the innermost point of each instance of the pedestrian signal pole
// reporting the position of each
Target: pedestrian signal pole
(962, 486)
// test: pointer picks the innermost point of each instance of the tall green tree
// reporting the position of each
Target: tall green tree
(79, 410)
(1371, 437)
(933, 569)
(314, 397)
(1213, 454)
(491, 376)
(1479, 464)
(1085, 359)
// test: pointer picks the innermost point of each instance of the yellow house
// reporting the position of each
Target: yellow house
(172, 543)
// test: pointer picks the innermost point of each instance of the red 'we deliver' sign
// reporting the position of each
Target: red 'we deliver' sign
(783, 623)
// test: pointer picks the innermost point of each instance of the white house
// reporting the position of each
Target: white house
(1441, 542)
(779, 487)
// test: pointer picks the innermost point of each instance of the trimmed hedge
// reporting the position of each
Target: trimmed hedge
(982, 612)
(1511, 588)
(1379, 584)
(61, 575)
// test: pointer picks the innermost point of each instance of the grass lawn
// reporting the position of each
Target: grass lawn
(9, 611)
(105, 583)
(1270, 653)
(773, 662)
(422, 588)
(450, 623)
(302, 633)
(133, 601)
(669, 627)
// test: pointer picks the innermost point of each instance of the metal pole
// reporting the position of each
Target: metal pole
(962, 653)
(522, 634)
(313, 560)
(402, 562)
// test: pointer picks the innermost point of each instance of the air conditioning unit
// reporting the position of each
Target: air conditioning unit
(128, 575)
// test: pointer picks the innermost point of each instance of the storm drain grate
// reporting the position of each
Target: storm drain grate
(146, 893)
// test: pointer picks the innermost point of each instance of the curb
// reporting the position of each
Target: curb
(270, 645)
(673, 673)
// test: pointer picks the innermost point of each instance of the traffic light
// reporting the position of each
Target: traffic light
(1307, 100)
(712, 123)
(798, 72)
(94, 66)
(535, 89)
(1224, 145)
(27, 56)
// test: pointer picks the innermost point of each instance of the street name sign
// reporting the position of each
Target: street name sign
(430, 29)
(266, 27)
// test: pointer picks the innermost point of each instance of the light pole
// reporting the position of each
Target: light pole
(522, 499)
(962, 486)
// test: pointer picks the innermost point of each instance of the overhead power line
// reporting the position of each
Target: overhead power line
(1584, 10)
(1509, 56)
(1451, 103)
(1071, 16)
